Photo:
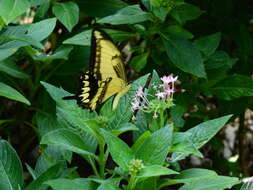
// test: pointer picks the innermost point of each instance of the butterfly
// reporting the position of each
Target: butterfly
(106, 76)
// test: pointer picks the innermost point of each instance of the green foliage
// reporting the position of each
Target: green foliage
(207, 44)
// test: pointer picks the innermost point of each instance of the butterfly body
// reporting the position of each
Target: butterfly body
(106, 76)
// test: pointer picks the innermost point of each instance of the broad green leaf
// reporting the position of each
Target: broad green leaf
(5, 53)
(138, 143)
(10, 9)
(233, 87)
(41, 30)
(11, 172)
(11, 69)
(128, 15)
(155, 170)
(72, 115)
(219, 59)
(9, 92)
(217, 183)
(61, 53)
(71, 184)
(19, 41)
(38, 2)
(51, 173)
(201, 179)
(179, 31)
(119, 150)
(100, 8)
(184, 55)
(67, 13)
(67, 140)
(139, 62)
(108, 185)
(156, 147)
(208, 44)
(83, 39)
(201, 134)
(185, 12)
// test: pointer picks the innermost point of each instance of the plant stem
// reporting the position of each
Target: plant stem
(242, 149)
(102, 160)
(93, 166)
(131, 183)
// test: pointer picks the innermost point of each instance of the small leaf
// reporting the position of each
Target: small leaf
(9, 92)
(67, 13)
(156, 147)
(155, 170)
(61, 53)
(10, 9)
(11, 172)
(67, 140)
(41, 30)
(139, 61)
(185, 12)
(208, 44)
(184, 55)
(83, 39)
(128, 15)
(120, 151)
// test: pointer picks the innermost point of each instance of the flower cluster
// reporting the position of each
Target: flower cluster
(160, 101)
(135, 166)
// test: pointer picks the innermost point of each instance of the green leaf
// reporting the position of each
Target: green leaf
(217, 183)
(156, 147)
(185, 12)
(71, 184)
(61, 53)
(201, 179)
(5, 53)
(67, 13)
(219, 59)
(128, 15)
(139, 61)
(119, 150)
(233, 87)
(41, 30)
(19, 41)
(9, 92)
(138, 143)
(10, 9)
(11, 172)
(184, 55)
(51, 173)
(11, 69)
(67, 140)
(179, 31)
(100, 8)
(83, 39)
(201, 134)
(208, 44)
(72, 115)
(108, 185)
(155, 170)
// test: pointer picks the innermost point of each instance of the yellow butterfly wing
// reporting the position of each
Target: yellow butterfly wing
(107, 74)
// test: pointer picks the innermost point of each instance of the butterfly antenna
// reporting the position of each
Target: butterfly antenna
(69, 98)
